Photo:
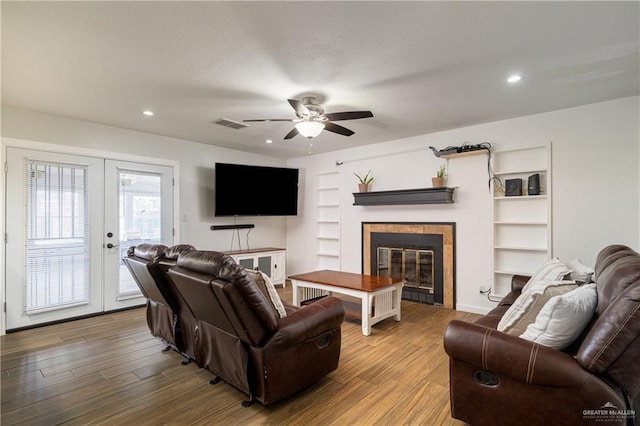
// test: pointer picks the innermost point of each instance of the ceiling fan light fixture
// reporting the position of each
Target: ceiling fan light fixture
(310, 129)
(514, 78)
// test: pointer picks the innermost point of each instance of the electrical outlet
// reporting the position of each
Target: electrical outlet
(484, 289)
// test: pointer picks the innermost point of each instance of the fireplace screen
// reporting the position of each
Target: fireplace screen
(414, 266)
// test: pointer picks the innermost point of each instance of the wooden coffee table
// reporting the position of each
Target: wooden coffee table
(380, 297)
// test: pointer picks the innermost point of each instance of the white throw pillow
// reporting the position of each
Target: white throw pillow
(526, 307)
(551, 270)
(269, 290)
(581, 272)
(563, 318)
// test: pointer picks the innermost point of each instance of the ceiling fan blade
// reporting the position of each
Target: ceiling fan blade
(292, 133)
(267, 119)
(338, 129)
(348, 115)
(301, 110)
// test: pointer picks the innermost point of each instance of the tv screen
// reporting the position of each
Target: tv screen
(242, 190)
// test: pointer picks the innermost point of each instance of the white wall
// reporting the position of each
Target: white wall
(596, 189)
(196, 167)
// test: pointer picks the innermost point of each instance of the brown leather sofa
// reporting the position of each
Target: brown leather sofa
(501, 379)
(165, 314)
(243, 342)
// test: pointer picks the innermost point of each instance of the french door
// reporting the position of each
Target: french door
(139, 206)
(70, 220)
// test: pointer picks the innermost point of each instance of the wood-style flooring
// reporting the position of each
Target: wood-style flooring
(110, 370)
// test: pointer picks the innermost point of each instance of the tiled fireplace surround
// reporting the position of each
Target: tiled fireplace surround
(429, 280)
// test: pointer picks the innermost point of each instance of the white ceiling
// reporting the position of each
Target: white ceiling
(420, 67)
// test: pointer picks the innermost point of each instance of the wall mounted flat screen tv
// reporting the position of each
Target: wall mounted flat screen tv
(243, 190)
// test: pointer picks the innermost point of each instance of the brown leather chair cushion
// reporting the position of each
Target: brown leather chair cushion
(151, 252)
(174, 251)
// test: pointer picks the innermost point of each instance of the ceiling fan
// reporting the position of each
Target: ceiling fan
(312, 119)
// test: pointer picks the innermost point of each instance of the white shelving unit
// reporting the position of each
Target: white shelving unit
(328, 221)
(522, 238)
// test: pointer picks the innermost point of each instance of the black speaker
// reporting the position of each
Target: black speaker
(533, 187)
(237, 226)
(513, 187)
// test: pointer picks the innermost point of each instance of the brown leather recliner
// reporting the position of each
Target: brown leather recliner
(243, 342)
(186, 328)
(497, 378)
(166, 316)
(161, 317)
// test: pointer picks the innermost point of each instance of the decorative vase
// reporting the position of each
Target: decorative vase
(363, 187)
(437, 182)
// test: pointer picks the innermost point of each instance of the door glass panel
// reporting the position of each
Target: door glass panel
(410, 267)
(427, 271)
(140, 217)
(396, 263)
(383, 262)
(57, 245)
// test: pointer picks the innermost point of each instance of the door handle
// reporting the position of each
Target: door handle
(112, 245)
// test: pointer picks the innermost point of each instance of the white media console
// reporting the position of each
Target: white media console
(269, 260)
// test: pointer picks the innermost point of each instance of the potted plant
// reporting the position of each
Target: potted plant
(365, 181)
(438, 181)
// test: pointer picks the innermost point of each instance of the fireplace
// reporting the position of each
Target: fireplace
(422, 254)
(415, 266)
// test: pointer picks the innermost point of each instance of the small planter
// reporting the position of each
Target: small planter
(363, 187)
(364, 181)
(437, 182)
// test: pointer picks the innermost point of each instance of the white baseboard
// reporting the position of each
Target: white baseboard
(473, 309)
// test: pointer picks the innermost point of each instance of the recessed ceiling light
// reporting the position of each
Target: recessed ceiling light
(148, 113)
(268, 141)
(514, 78)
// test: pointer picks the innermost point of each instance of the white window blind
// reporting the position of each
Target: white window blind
(57, 266)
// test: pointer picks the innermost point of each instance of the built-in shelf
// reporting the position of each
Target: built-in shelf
(521, 223)
(521, 248)
(521, 197)
(519, 172)
(404, 196)
(327, 251)
(327, 254)
(464, 154)
(516, 223)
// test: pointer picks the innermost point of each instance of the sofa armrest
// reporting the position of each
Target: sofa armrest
(504, 354)
(518, 281)
(308, 322)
